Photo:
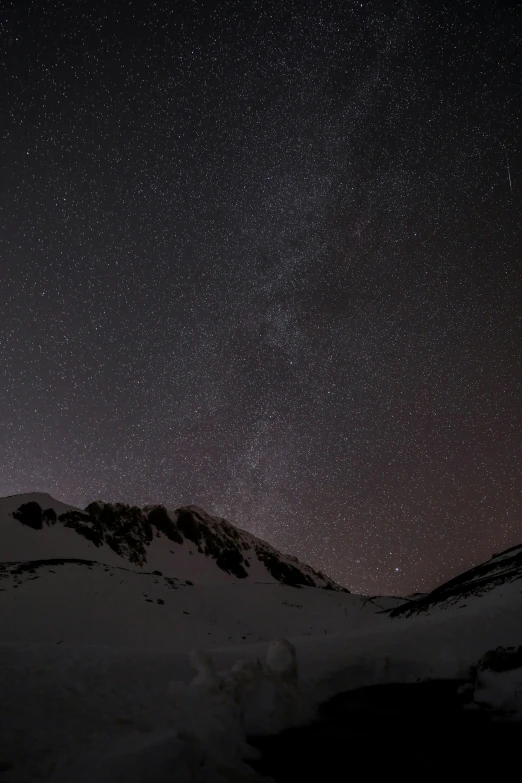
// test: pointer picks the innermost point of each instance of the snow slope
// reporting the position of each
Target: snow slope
(468, 587)
(57, 586)
(84, 602)
(21, 542)
(186, 543)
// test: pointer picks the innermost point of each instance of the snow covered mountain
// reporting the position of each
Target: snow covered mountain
(185, 544)
(491, 576)
(120, 575)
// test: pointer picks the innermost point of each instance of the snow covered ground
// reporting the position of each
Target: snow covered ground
(95, 673)
(89, 603)
(63, 704)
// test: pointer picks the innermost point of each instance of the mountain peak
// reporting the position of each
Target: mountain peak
(185, 543)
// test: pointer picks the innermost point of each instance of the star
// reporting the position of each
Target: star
(267, 262)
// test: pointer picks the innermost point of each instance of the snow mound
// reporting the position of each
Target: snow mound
(498, 682)
(220, 709)
(212, 716)
(500, 692)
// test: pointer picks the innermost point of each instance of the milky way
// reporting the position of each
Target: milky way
(265, 258)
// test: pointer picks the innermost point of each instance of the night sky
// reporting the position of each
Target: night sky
(264, 257)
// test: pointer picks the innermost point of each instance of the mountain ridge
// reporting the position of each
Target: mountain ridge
(501, 568)
(157, 538)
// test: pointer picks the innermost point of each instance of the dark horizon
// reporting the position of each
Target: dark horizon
(265, 259)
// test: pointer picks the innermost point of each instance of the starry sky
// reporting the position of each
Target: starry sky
(264, 257)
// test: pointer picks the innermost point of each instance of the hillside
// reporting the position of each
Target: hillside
(186, 543)
(74, 601)
(466, 588)
(119, 575)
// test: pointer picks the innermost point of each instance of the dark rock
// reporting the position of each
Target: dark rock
(29, 514)
(159, 518)
(502, 659)
(230, 561)
(286, 573)
(189, 526)
(49, 516)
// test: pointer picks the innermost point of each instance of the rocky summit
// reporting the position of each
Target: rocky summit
(186, 542)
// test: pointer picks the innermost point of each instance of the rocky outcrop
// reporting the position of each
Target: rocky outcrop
(129, 531)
